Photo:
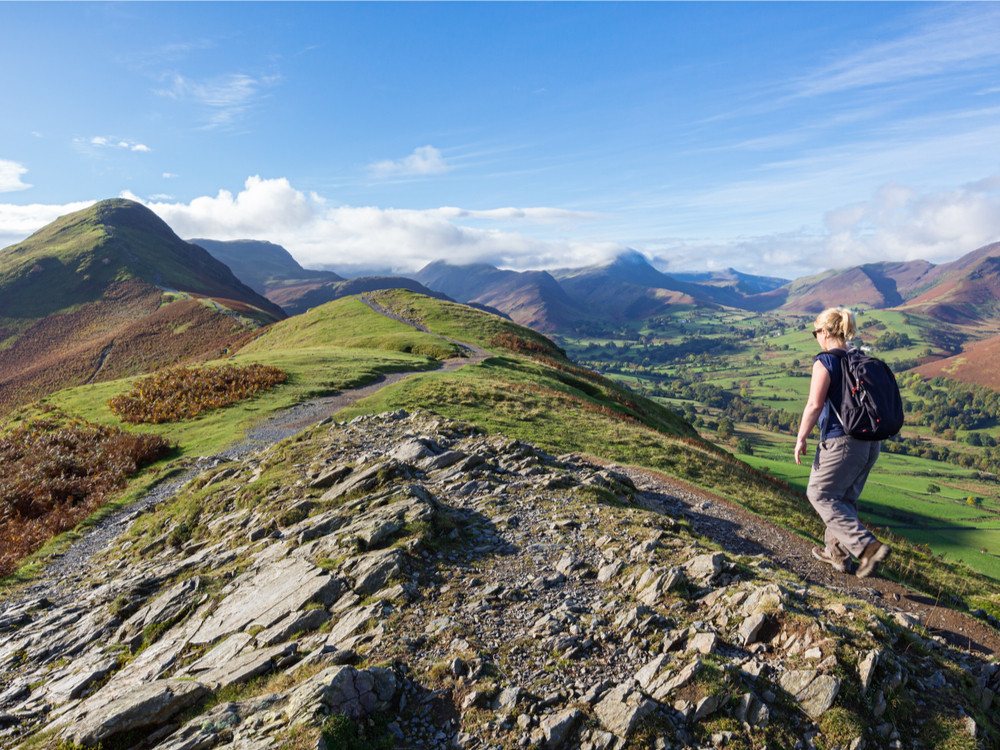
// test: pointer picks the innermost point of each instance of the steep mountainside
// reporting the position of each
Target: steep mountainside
(976, 364)
(966, 295)
(111, 291)
(263, 266)
(531, 298)
(861, 285)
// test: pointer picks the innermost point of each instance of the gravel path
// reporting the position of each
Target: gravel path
(744, 533)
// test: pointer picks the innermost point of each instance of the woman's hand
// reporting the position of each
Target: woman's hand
(800, 449)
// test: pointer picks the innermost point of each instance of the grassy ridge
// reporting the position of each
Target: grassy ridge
(528, 391)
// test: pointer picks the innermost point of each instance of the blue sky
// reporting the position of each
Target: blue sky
(776, 138)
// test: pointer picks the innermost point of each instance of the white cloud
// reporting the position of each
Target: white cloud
(169, 175)
(10, 176)
(899, 223)
(350, 239)
(103, 142)
(896, 223)
(423, 161)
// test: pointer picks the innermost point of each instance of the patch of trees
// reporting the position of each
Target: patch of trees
(891, 340)
(945, 404)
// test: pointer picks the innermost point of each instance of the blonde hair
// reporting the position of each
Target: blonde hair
(839, 321)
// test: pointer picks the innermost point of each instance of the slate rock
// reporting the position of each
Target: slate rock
(140, 706)
(623, 709)
(814, 692)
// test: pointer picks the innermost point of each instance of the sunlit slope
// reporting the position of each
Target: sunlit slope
(108, 292)
(73, 260)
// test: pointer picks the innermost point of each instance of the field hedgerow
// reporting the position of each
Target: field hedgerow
(52, 477)
(186, 392)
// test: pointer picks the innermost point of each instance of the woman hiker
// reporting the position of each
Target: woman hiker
(842, 463)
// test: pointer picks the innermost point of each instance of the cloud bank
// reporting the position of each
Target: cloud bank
(355, 239)
(896, 223)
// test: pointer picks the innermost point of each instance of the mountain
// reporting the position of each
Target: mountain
(960, 289)
(744, 283)
(965, 292)
(262, 265)
(111, 291)
(296, 297)
(530, 298)
(628, 287)
(272, 271)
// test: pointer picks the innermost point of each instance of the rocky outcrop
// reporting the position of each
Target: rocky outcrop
(410, 576)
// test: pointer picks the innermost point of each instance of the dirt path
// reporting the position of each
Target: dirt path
(742, 532)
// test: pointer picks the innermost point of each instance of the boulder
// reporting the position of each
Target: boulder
(150, 704)
(623, 709)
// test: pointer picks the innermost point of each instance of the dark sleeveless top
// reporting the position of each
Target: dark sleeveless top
(829, 424)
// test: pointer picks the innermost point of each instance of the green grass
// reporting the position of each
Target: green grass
(896, 498)
(349, 323)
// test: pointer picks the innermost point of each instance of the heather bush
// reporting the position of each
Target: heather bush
(52, 476)
(185, 392)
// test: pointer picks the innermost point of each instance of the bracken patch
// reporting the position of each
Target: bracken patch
(184, 392)
(52, 476)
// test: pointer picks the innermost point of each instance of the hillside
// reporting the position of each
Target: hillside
(298, 297)
(263, 266)
(531, 298)
(467, 576)
(977, 364)
(969, 297)
(111, 291)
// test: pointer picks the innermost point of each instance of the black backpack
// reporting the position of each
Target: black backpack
(870, 407)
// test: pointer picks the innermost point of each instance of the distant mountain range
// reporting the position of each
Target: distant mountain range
(272, 271)
(111, 291)
(962, 297)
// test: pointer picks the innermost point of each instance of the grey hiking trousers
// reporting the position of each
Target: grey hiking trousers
(839, 472)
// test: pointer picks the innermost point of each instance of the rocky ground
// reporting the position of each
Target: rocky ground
(406, 581)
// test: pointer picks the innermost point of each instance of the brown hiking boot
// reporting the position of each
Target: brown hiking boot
(874, 553)
(823, 556)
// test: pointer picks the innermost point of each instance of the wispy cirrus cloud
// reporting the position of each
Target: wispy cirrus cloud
(226, 99)
(425, 160)
(10, 176)
(950, 39)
